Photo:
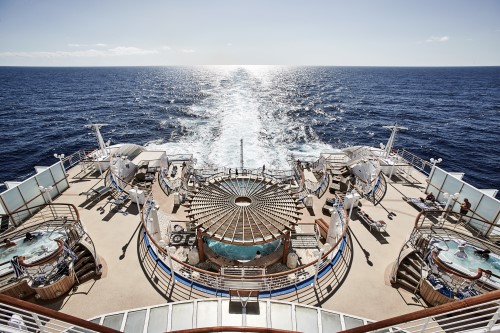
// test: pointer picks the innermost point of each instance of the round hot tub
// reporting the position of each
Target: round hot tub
(463, 257)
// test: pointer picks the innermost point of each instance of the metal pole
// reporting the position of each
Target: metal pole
(352, 206)
(241, 154)
(170, 263)
(317, 267)
(137, 199)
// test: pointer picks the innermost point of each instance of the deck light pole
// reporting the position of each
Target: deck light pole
(47, 190)
(434, 162)
(353, 193)
(137, 199)
(448, 202)
(319, 255)
(44, 190)
(170, 250)
(60, 157)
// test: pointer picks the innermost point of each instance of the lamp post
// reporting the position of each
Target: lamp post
(434, 162)
(44, 190)
(137, 199)
(450, 197)
(319, 254)
(353, 192)
(169, 250)
(60, 157)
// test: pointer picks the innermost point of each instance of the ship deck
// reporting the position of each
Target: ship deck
(365, 292)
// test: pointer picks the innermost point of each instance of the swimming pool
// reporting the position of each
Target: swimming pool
(42, 245)
(242, 252)
(470, 262)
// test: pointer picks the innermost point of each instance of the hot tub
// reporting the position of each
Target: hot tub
(466, 261)
(41, 246)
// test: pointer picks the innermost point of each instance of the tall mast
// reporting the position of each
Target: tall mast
(390, 142)
(100, 140)
(241, 154)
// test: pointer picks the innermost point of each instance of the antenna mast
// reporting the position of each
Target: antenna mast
(390, 142)
(241, 154)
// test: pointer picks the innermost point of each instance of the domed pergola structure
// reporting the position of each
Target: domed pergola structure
(243, 210)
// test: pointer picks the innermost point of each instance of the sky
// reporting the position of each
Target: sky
(259, 32)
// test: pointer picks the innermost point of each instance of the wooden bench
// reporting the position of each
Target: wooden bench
(322, 226)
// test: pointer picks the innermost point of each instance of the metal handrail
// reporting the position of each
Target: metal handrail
(485, 305)
(41, 319)
(325, 260)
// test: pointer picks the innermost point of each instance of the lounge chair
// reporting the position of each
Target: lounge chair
(424, 205)
(380, 225)
(97, 193)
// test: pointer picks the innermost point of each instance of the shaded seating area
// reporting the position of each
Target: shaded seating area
(380, 225)
(97, 193)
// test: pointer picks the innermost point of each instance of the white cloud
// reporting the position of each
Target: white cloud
(437, 39)
(87, 45)
(229, 44)
(130, 50)
(113, 52)
(166, 47)
(188, 51)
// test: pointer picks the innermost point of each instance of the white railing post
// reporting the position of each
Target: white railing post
(424, 326)
(493, 319)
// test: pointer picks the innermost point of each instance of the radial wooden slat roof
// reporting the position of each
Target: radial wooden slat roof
(243, 210)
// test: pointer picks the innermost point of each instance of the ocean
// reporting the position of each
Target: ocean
(451, 113)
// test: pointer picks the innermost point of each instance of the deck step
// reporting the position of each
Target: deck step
(407, 286)
(81, 262)
(407, 276)
(411, 271)
(84, 269)
(304, 242)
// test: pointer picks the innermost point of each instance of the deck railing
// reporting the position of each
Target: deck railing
(475, 314)
(34, 318)
(415, 161)
(157, 259)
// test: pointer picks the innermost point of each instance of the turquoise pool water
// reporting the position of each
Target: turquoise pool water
(471, 262)
(240, 252)
(42, 245)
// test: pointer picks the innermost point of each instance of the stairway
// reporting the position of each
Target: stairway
(409, 271)
(85, 265)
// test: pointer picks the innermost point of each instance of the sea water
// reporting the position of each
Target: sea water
(278, 111)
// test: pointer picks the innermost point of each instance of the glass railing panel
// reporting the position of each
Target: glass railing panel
(281, 316)
(206, 314)
(113, 321)
(231, 314)
(135, 321)
(351, 322)
(158, 319)
(182, 316)
(307, 319)
(257, 316)
(330, 322)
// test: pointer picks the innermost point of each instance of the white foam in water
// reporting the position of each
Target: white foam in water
(240, 108)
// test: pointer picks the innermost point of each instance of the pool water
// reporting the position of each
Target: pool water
(472, 262)
(242, 252)
(41, 246)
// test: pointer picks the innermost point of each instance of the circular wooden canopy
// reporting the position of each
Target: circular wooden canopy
(243, 210)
